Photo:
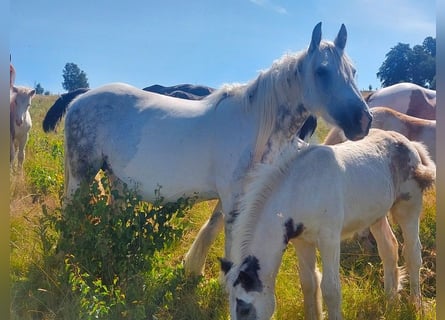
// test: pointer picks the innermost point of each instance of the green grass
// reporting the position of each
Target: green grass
(38, 291)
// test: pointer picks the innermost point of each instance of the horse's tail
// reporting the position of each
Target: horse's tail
(425, 173)
(58, 109)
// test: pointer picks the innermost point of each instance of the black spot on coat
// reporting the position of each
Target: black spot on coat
(292, 231)
(248, 275)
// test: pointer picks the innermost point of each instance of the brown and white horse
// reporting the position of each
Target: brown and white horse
(407, 98)
(415, 129)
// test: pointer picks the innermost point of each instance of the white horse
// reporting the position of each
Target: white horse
(20, 122)
(315, 198)
(415, 129)
(204, 147)
(407, 98)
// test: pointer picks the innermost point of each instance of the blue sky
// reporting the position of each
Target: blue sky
(200, 42)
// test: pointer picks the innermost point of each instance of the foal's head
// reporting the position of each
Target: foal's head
(20, 102)
(249, 297)
(327, 80)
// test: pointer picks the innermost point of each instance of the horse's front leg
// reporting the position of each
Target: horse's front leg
(195, 258)
(309, 279)
(11, 152)
(21, 152)
(329, 245)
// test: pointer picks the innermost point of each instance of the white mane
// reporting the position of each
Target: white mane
(260, 183)
(265, 94)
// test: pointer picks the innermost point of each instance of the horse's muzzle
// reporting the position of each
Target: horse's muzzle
(364, 124)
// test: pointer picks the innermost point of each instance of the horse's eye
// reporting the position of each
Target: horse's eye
(321, 72)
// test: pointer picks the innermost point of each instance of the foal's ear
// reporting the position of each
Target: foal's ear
(226, 265)
(340, 41)
(316, 38)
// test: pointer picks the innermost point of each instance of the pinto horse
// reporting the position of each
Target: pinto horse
(315, 198)
(407, 98)
(204, 147)
(20, 122)
(415, 129)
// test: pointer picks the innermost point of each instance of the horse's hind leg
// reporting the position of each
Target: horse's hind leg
(78, 173)
(407, 215)
(195, 258)
(388, 251)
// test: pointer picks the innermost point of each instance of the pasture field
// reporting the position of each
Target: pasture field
(68, 269)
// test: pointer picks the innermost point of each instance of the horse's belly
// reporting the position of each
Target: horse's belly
(362, 213)
(169, 171)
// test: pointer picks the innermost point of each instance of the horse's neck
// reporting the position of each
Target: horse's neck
(287, 124)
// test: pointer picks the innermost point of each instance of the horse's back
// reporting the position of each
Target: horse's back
(407, 98)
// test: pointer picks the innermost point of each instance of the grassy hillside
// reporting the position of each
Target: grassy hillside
(48, 283)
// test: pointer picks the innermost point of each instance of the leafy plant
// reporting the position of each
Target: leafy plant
(109, 240)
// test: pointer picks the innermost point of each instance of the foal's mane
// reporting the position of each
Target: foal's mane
(260, 183)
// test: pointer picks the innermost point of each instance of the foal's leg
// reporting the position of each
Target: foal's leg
(309, 279)
(407, 215)
(329, 245)
(11, 152)
(388, 251)
(21, 152)
(196, 256)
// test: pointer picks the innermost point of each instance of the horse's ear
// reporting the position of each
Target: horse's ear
(226, 265)
(340, 41)
(32, 93)
(316, 38)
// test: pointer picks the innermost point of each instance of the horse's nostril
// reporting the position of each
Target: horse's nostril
(243, 308)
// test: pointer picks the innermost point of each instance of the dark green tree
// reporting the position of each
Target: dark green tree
(74, 78)
(396, 67)
(405, 64)
(39, 88)
(429, 44)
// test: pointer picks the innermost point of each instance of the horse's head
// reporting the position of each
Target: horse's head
(250, 298)
(20, 102)
(328, 86)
